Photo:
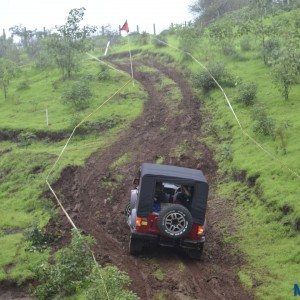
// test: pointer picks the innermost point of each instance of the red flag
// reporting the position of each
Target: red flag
(125, 27)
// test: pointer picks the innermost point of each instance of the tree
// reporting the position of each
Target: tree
(209, 10)
(8, 49)
(285, 71)
(8, 70)
(260, 8)
(70, 40)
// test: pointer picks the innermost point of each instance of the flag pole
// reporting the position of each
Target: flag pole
(130, 59)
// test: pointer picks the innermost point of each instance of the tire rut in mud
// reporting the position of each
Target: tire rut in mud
(99, 211)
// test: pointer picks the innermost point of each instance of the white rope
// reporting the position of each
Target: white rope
(233, 112)
(57, 160)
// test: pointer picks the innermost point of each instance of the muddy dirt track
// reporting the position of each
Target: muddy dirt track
(95, 196)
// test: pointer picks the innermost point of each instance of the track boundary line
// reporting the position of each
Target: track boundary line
(233, 112)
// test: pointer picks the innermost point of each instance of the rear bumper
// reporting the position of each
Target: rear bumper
(151, 239)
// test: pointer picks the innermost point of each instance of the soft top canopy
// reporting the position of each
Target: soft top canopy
(153, 173)
(172, 171)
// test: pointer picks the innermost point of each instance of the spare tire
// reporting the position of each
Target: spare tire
(175, 221)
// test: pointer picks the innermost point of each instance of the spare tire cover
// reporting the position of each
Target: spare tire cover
(175, 221)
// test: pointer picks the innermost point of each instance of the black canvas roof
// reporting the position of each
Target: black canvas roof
(172, 171)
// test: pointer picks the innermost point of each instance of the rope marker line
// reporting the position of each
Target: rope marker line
(59, 157)
(82, 121)
(233, 112)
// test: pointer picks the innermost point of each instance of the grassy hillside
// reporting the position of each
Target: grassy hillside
(26, 159)
(265, 193)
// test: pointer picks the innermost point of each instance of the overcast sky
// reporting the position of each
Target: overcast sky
(39, 13)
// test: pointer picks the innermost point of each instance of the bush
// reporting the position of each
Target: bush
(245, 44)
(264, 125)
(285, 73)
(104, 73)
(281, 136)
(247, 93)
(72, 265)
(204, 80)
(38, 239)
(144, 38)
(114, 281)
(78, 95)
(26, 138)
(157, 41)
(271, 50)
(74, 271)
(228, 50)
(23, 85)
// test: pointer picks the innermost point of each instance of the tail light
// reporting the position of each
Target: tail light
(141, 222)
(200, 230)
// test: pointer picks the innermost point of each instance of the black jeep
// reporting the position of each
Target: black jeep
(167, 208)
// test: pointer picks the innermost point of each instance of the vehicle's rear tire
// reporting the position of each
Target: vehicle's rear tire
(195, 253)
(135, 246)
(127, 210)
(175, 221)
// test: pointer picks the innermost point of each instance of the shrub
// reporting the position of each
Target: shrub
(144, 38)
(37, 238)
(264, 125)
(247, 93)
(271, 50)
(281, 136)
(228, 50)
(285, 72)
(245, 44)
(226, 152)
(78, 95)
(74, 270)
(204, 80)
(72, 265)
(26, 138)
(104, 73)
(114, 281)
(160, 41)
(23, 85)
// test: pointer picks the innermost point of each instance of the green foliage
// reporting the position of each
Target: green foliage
(247, 93)
(108, 283)
(8, 49)
(285, 71)
(264, 124)
(188, 40)
(26, 138)
(205, 81)
(8, 70)
(78, 95)
(72, 265)
(221, 31)
(74, 271)
(71, 40)
(104, 73)
(245, 43)
(159, 41)
(281, 136)
(226, 152)
(144, 38)
(37, 238)
(23, 85)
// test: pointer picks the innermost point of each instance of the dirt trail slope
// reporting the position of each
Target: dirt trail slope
(95, 196)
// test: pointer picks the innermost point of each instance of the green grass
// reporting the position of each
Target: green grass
(23, 170)
(266, 235)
